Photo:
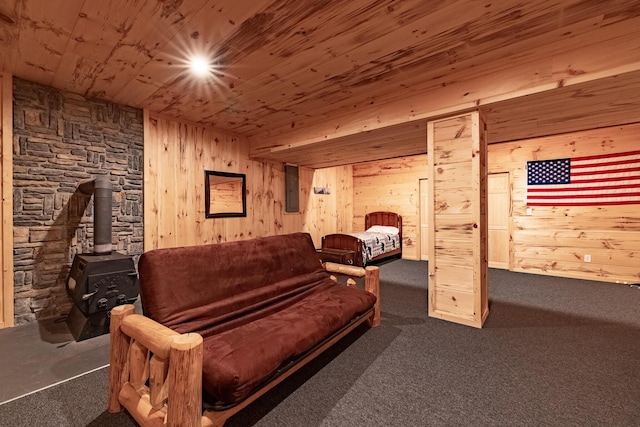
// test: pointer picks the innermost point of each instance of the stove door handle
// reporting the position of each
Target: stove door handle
(87, 296)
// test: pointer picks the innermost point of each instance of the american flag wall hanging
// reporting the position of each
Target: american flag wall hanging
(607, 179)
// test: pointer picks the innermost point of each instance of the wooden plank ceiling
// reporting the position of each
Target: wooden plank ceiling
(308, 81)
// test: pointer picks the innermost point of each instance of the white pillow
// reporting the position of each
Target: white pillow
(386, 229)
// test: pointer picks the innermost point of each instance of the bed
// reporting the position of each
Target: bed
(381, 239)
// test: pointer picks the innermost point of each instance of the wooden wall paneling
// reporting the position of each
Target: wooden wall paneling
(305, 183)
(176, 156)
(333, 212)
(259, 200)
(391, 185)
(195, 232)
(272, 218)
(344, 193)
(554, 240)
(309, 214)
(187, 138)
(276, 188)
(169, 183)
(150, 178)
(458, 227)
(6, 214)
(326, 202)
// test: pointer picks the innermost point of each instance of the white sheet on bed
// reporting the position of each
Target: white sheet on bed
(377, 243)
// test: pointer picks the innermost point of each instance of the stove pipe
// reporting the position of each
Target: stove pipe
(101, 188)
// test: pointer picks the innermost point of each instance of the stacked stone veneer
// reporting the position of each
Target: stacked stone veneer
(60, 139)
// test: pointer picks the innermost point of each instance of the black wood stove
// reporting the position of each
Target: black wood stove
(98, 282)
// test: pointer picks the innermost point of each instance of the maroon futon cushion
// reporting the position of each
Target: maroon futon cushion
(258, 304)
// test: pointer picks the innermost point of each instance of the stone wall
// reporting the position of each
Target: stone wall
(59, 140)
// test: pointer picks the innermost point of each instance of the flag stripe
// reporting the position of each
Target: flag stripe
(603, 170)
(564, 202)
(588, 188)
(607, 156)
(587, 183)
(575, 165)
(611, 178)
(604, 179)
(584, 196)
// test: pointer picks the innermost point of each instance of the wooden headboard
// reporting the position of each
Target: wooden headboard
(384, 218)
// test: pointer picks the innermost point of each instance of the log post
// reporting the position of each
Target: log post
(138, 364)
(185, 381)
(139, 407)
(372, 284)
(118, 369)
(158, 384)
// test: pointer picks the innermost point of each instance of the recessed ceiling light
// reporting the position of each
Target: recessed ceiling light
(200, 66)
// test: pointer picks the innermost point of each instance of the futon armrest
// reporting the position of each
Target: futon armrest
(146, 352)
(371, 276)
(347, 270)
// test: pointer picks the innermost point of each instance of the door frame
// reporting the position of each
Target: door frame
(509, 221)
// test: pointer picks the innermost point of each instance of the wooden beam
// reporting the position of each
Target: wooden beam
(6, 215)
(458, 230)
(464, 93)
(118, 362)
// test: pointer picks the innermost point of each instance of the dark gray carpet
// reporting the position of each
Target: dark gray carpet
(553, 352)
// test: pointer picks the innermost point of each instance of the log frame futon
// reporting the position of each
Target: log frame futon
(156, 373)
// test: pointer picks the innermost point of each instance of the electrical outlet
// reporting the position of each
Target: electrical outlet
(587, 258)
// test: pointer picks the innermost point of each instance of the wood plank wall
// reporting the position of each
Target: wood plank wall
(176, 156)
(6, 213)
(333, 212)
(554, 240)
(457, 219)
(391, 185)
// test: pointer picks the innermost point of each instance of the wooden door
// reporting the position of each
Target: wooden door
(424, 222)
(498, 212)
